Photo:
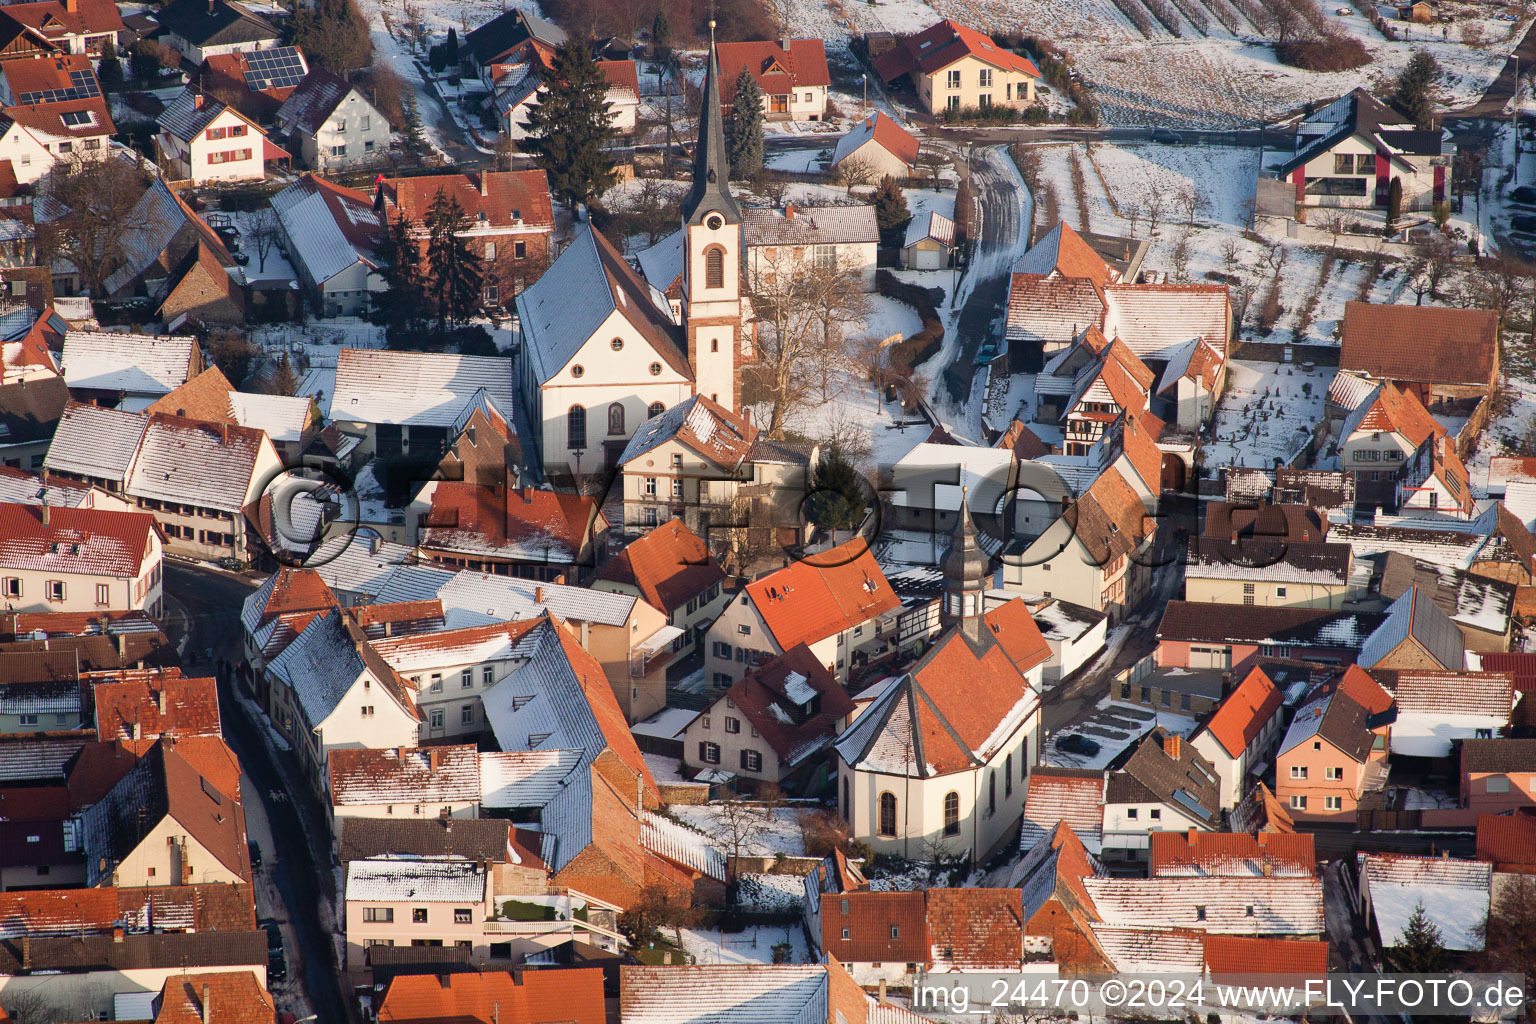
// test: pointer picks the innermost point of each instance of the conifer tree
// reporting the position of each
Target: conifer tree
(401, 306)
(744, 128)
(1414, 87)
(891, 212)
(454, 273)
(570, 126)
(1420, 949)
(451, 48)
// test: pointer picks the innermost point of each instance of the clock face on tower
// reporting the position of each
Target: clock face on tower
(714, 222)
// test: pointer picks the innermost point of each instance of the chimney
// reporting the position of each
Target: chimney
(538, 595)
(485, 188)
(207, 996)
(26, 952)
(46, 513)
(881, 998)
(160, 701)
(789, 211)
(197, 98)
(210, 8)
(1193, 833)
(373, 544)
(435, 757)
(117, 935)
(122, 645)
(1269, 868)
(134, 729)
(224, 433)
(1173, 745)
(72, 6)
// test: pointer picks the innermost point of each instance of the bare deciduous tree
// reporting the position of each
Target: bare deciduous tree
(1156, 206)
(100, 217)
(741, 828)
(1231, 254)
(854, 171)
(1180, 257)
(1191, 202)
(265, 234)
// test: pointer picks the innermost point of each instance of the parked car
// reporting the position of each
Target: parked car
(255, 849)
(277, 966)
(1073, 743)
(1524, 194)
(1167, 137)
(274, 935)
(1524, 222)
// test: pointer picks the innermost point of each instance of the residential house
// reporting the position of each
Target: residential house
(1058, 915)
(78, 560)
(1379, 436)
(1131, 912)
(833, 876)
(928, 485)
(254, 83)
(1241, 734)
(127, 370)
(413, 404)
(57, 98)
(203, 140)
(1166, 785)
(782, 245)
(212, 999)
(931, 238)
(1453, 893)
(508, 851)
(1063, 797)
(953, 67)
(837, 602)
(896, 937)
(1232, 855)
(510, 222)
(919, 767)
(29, 158)
(164, 823)
(41, 691)
(1480, 606)
(878, 146)
(449, 669)
(1263, 521)
(1349, 152)
(1434, 484)
(29, 415)
(332, 691)
(712, 468)
(331, 234)
(277, 611)
(73, 26)
(1276, 574)
(1507, 841)
(404, 783)
(288, 421)
(1074, 634)
(1444, 356)
(792, 74)
(753, 994)
(145, 704)
(534, 534)
(333, 125)
(573, 995)
(1329, 759)
(199, 29)
(1416, 634)
(500, 40)
(442, 901)
(1083, 389)
(517, 80)
(1189, 636)
(1436, 709)
(772, 725)
(21, 42)
(671, 569)
(1498, 776)
(162, 245)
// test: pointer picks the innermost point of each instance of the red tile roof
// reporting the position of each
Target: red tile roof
(823, 594)
(471, 518)
(1073, 797)
(1014, 629)
(504, 197)
(1243, 954)
(605, 706)
(1424, 344)
(880, 926)
(976, 929)
(891, 137)
(670, 566)
(297, 590)
(939, 46)
(225, 997)
(209, 755)
(1242, 714)
(1508, 841)
(429, 775)
(1231, 854)
(85, 541)
(1022, 441)
(623, 77)
(566, 996)
(763, 697)
(1358, 685)
(1519, 664)
(1400, 411)
(146, 704)
(778, 71)
(53, 19)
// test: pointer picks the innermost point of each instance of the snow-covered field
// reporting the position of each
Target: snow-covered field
(751, 946)
(1267, 413)
(779, 831)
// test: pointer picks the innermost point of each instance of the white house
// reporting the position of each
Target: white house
(435, 782)
(785, 243)
(879, 146)
(203, 140)
(450, 671)
(516, 88)
(792, 73)
(331, 233)
(333, 125)
(29, 156)
(199, 29)
(1435, 709)
(1240, 735)
(59, 559)
(1166, 786)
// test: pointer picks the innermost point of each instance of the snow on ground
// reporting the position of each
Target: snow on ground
(1114, 727)
(751, 946)
(770, 894)
(779, 831)
(1267, 413)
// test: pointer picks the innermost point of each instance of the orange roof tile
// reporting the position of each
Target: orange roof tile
(148, 704)
(1508, 841)
(226, 997)
(504, 197)
(1231, 853)
(670, 566)
(1243, 954)
(879, 926)
(1241, 715)
(1424, 344)
(940, 45)
(976, 929)
(1358, 685)
(567, 996)
(204, 397)
(1015, 631)
(823, 594)
(777, 70)
(471, 518)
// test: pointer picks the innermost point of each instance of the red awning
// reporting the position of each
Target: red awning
(271, 152)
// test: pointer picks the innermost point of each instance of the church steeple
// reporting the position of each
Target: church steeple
(711, 191)
(965, 568)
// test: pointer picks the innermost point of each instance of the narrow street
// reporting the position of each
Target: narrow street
(207, 604)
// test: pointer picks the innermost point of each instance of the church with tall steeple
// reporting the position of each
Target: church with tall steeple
(604, 349)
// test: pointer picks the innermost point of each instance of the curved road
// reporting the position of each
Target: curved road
(210, 603)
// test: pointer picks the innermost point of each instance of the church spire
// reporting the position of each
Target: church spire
(965, 568)
(711, 165)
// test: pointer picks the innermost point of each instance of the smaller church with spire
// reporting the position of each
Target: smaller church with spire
(604, 350)
(938, 761)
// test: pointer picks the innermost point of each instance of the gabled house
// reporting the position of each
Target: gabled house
(836, 602)
(1380, 435)
(1241, 733)
(1441, 354)
(1455, 896)
(78, 559)
(510, 222)
(332, 691)
(953, 67)
(1084, 389)
(544, 996)
(518, 81)
(931, 237)
(1232, 855)
(1272, 573)
(1189, 636)
(204, 140)
(1480, 606)
(146, 704)
(889, 937)
(199, 29)
(332, 125)
(1329, 759)
(535, 534)
(772, 725)
(1349, 152)
(671, 569)
(879, 145)
(26, 153)
(288, 421)
(833, 876)
(1166, 785)
(1071, 798)
(165, 824)
(1498, 775)
(59, 100)
(127, 370)
(437, 782)
(1058, 915)
(74, 26)
(498, 40)
(331, 234)
(1436, 709)
(1206, 905)
(449, 670)
(163, 234)
(1435, 484)
(792, 73)
(228, 997)
(256, 83)
(1415, 635)
(789, 242)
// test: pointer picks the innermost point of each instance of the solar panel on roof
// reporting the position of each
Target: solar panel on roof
(83, 86)
(279, 68)
(1188, 802)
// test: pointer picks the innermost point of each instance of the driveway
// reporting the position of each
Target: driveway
(1503, 87)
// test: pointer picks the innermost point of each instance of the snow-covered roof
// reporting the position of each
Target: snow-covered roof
(1454, 894)
(416, 388)
(319, 666)
(1153, 320)
(387, 880)
(139, 364)
(937, 223)
(480, 597)
(427, 775)
(359, 562)
(930, 476)
(1151, 949)
(725, 994)
(94, 442)
(1248, 906)
(210, 465)
(1349, 388)
(662, 263)
(281, 417)
(524, 778)
(320, 240)
(683, 845)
